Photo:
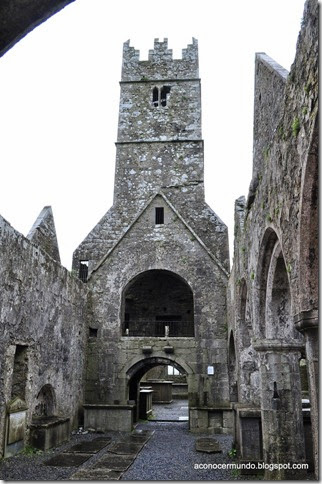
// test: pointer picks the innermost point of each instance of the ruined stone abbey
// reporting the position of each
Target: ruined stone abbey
(152, 286)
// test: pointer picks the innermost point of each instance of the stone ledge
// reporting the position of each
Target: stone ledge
(47, 422)
(306, 320)
(277, 345)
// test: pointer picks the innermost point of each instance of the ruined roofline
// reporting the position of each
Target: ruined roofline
(271, 65)
(160, 50)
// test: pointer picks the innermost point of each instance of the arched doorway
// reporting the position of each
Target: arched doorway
(157, 303)
(136, 372)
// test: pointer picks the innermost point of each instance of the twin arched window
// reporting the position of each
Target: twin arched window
(159, 96)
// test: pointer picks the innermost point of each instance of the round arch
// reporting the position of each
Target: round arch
(136, 371)
(145, 364)
(157, 303)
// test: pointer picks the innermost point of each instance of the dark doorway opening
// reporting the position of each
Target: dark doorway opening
(159, 388)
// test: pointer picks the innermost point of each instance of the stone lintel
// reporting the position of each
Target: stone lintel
(277, 345)
(217, 407)
(306, 320)
(250, 413)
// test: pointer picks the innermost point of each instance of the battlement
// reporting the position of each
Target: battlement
(160, 63)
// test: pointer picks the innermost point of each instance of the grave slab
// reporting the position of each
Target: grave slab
(125, 448)
(91, 447)
(67, 460)
(114, 462)
(96, 475)
(209, 445)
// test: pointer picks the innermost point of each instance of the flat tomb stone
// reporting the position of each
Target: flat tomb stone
(96, 475)
(114, 462)
(102, 439)
(209, 445)
(125, 448)
(89, 447)
(67, 460)
(139, 439)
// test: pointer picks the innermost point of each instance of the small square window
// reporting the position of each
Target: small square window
(159, 215)
(93, 332)
(210, 370)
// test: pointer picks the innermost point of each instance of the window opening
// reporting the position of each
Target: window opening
(159, 96)
(93, 332)
(210, 370)
(159, 215)
(155, 97)
(83, 270)
(164, 91)
(173, 371)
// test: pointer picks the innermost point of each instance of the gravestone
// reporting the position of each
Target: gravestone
(15, 428)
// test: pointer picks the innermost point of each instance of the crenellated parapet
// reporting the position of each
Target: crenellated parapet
(160, 63)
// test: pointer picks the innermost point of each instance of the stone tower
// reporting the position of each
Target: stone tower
(157, 263)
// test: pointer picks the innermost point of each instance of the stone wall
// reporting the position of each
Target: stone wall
(43, 316)
(276, 249)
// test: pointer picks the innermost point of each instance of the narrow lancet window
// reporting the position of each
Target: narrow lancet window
(83, 270)
(155, 97)
(164, 92)
(159, 215)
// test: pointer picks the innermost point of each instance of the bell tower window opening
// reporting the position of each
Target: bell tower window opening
(155, 97)
(159, 96)
(159, 215)
(164, 92)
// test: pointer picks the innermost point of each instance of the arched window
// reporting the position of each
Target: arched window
(46, 402)
(159, 96)
(155, 97)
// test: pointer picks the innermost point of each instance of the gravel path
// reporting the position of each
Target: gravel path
(170, 455)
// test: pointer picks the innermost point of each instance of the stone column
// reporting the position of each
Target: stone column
(307, 323)
(281, 407)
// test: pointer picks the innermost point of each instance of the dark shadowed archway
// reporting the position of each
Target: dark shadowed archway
(138, 370)
(157, 303)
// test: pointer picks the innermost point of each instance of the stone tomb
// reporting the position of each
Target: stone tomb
(49, 432)
(15, 426)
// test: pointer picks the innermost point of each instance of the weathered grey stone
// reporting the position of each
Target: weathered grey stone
(208, 445)
(143, 271)
(274, 276)
(42, 345)
(67, 460)
(43, 233)
(96, 475)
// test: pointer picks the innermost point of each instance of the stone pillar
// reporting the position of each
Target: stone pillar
(307, 323)
(281, 407)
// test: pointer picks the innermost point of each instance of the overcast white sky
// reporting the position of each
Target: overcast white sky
(59, 94)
